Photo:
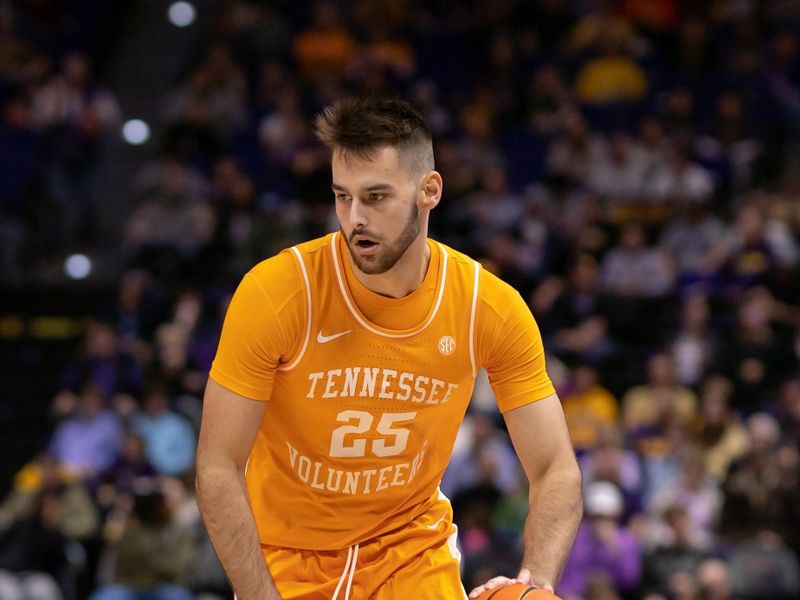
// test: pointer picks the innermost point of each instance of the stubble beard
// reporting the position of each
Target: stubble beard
(389, 254)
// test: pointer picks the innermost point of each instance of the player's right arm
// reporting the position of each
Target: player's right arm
(261, 328)
(229, 427)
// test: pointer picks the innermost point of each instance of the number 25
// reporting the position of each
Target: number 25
(363, 423)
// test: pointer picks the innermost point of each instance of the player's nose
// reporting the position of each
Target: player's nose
(358, 217)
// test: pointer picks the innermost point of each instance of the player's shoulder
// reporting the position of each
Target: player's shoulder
(315, 247)
(493, 292)
(457, 259)
(491, 287)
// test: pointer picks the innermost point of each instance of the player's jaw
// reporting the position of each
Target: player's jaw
(374, 254)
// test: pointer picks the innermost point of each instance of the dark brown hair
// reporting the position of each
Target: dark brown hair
(358, 126)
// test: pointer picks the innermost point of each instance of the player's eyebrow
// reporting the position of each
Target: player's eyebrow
(370, 188)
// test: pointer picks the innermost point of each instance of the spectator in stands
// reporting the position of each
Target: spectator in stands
(748, 256)
(487, 459)
(679, 181)
(590, 409)
(153, 557)
(731, 144)
(324, 49)
(764, 568)
(718, 431)
(611, 76)
(697, 494)
(216, 89)
(547, 99)
(167, 229)
(694, 240)
(34, 554)
(603, 546)
(675, 548)
(571, 313)
(610, 461)
(632, 269)
(751, 499)
(137, 311)
(121, 477)
(787, 410)
(754, 353)
(694, 346)
(89, 441)
(77, 516)
(169, 440)
(714, 577)
(572, 153)
(644, 405)
(619, 175)
(77, 116)
(103, 362)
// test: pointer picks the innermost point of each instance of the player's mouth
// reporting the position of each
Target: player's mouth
(365, 246)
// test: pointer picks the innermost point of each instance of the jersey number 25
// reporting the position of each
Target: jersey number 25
(359, 422)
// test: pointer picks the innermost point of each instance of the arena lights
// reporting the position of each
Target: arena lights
(136, 132)
(181, 14)
(77, 266)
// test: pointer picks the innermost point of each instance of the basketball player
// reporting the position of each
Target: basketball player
(343, 372)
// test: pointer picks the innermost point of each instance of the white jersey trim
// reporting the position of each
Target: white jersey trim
(366, 324)
(307, 286)
(472, 318)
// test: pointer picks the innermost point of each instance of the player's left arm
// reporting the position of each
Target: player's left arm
(540, 437)
(539, 434)
(510, 347)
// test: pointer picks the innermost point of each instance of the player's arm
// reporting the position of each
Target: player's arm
(227, 432)
(510, 347)
(540, 437)
(539, 434)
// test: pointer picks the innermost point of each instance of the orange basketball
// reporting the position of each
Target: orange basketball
(517, 591)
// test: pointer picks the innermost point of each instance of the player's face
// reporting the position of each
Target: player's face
(376, 204)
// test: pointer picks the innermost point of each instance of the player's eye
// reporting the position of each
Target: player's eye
(375, 196)
(342, 197)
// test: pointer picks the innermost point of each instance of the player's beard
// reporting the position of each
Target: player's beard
(389, 253)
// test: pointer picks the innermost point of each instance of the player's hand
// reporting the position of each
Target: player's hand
(524, 576)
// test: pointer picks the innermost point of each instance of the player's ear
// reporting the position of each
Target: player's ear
(430, 190)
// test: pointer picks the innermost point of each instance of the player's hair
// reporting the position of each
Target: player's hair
(359, 126)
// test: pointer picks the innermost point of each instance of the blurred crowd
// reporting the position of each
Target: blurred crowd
(632, 168)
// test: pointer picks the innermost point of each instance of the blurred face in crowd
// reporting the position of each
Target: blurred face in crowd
(91, 401)
(382, 206)
(715, 394)
(660, 370)
(101, 341)
(695, 313)
(585, 378)
(632, 238)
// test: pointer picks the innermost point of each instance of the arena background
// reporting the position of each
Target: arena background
(632, 168)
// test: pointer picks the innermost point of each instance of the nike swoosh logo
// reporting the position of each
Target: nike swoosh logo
(324, 339)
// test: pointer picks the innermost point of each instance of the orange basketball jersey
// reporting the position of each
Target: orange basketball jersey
(361, 418)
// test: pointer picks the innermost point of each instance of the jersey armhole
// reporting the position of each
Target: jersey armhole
(472, 317)
(307, 299)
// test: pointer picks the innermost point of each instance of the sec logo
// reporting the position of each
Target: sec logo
(447, 345)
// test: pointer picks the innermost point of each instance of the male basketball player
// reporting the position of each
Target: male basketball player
(343, 372)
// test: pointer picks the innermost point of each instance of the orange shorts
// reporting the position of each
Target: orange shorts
(418, 561)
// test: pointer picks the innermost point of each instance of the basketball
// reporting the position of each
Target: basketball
(517, 591)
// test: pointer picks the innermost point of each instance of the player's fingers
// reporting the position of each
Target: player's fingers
(490, 585)
(524, 576)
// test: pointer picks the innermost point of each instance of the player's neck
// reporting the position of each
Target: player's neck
(405, 276)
